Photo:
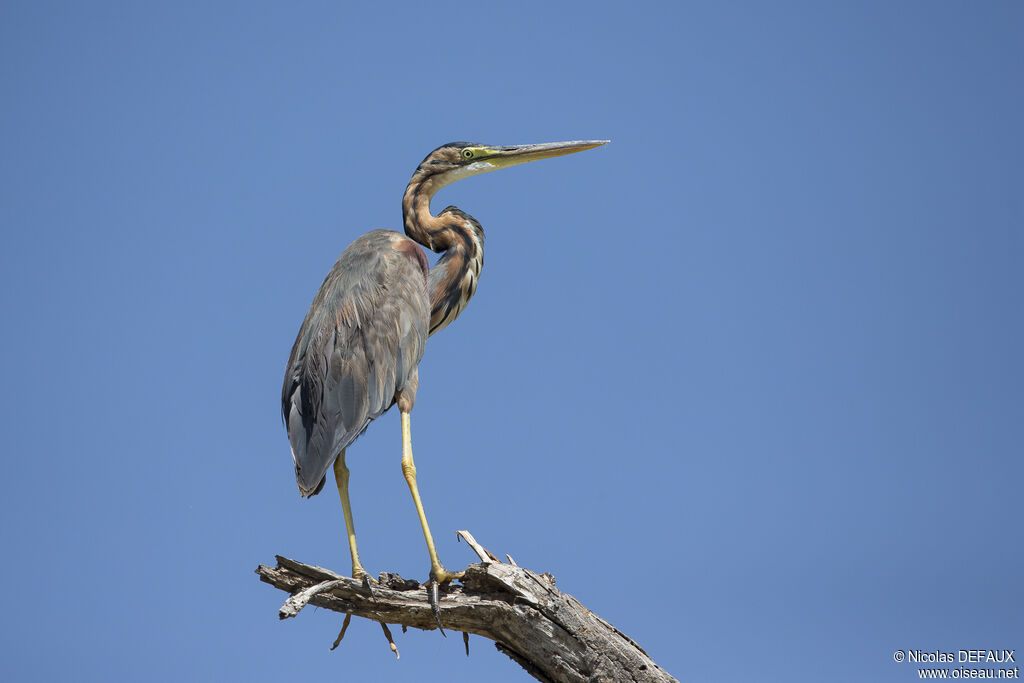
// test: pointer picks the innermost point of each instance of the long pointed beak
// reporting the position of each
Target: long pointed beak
(520, 154)
(487, 158)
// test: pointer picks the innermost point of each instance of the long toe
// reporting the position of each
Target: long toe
(435, 606)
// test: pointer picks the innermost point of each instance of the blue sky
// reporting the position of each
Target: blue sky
(762, 351)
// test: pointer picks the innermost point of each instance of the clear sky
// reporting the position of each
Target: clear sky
(759, 357)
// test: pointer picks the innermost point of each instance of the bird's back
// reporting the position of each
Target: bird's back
(360, 343)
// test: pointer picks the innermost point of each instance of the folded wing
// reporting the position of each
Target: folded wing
(360, 344)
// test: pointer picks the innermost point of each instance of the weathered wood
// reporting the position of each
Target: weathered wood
(550, 634)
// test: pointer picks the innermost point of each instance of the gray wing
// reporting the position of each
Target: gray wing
(360, 343)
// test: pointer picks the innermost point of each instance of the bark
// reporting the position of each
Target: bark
(549, 633)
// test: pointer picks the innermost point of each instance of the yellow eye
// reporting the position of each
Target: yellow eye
(467, 154)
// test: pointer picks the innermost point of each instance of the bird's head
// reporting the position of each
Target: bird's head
(458, 160)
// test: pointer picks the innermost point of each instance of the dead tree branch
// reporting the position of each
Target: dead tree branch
(549, 633)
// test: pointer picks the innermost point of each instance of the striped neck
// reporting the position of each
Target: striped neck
(452, 282)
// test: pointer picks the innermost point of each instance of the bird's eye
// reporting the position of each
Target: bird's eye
(467, 154)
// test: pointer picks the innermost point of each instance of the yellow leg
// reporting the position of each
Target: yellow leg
(341, 476)
(437, 570)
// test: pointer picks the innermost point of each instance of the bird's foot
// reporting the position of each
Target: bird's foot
(439, 575)
(442, 575)
(361, 574)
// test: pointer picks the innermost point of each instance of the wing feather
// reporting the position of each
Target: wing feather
(360, 344)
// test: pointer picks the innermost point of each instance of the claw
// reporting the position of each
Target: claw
(368, 585)
(439, 575)
(435, 607)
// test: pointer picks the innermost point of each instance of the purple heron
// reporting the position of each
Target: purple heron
(357, 351)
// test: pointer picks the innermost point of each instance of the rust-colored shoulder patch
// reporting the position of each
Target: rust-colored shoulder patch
(346, 314)
(413, 251)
